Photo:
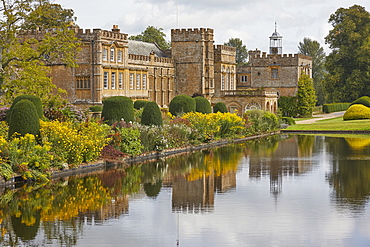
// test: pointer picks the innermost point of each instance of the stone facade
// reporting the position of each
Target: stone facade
(274, 72)
(110, 65)
(105, 68)
(193, 54)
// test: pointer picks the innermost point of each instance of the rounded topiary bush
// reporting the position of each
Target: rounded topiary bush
(96, 108)
(32, 98)
(364, 100)
(182, 104)
(138, 104)
(220, 107)
(202, 105)
(357, 111)
(151, 115)
(117, 108)
(24, 119)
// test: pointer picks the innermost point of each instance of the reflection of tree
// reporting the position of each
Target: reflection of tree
(26, 231)
(152, 190)
(305, 145)
(60, 205)
(349, 176)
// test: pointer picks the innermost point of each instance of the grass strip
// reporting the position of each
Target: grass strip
(334, 124)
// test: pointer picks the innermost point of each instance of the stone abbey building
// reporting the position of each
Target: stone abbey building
(109, 64)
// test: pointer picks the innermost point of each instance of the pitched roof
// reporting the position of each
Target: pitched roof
(144, 48)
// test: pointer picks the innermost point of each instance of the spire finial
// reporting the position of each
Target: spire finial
(275, 26)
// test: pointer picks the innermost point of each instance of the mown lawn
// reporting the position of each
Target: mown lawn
(334, 124)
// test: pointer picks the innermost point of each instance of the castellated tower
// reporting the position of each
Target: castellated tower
(193, 54)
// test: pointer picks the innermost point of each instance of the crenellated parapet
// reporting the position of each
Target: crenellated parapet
(196, 34)
(101, 34)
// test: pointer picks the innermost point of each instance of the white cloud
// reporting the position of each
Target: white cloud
(250, 20)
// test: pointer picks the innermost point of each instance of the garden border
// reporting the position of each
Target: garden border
(98, 165)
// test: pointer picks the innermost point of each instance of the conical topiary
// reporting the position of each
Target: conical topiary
(182, 104)
(202, 105)
(24, 119)
(220, 107)
(33, 98)
(151, 115)
(118, 108)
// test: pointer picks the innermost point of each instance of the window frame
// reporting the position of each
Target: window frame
(105, 80)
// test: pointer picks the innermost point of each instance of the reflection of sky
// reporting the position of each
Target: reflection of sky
(301, 215)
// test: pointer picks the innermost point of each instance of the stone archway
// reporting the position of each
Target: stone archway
(253, 106)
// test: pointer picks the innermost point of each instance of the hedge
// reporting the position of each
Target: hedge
(334, 107)
(364, 100)
(96, 108)
(220, 107)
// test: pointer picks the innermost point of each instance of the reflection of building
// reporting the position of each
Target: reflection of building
(193, 196)
(117, 207)
(226, 181)
(198, 195)
(285, 160)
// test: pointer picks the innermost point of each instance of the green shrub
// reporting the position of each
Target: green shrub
(138, 104)
(259, 121)
(34, 99)
(364, 100)
(182, 104)
(96, 108)
(202, 105)
(127, 140)
(357, 111)
(28, 158)
(118, 108)
(220, 107)
(152, 137)
(334, 107)
(24, 119)
(288, 120)
(151, 115)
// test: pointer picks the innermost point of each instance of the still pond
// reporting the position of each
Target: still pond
(297, 190)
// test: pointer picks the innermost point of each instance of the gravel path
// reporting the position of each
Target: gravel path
(321, 117)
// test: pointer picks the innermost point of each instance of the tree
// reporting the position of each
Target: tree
(306, 96)
(241, 50)
(348, 64)
(313, 49)
(153, 35)
(32, 34)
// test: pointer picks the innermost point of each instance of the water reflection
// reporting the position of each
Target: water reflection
(59, 213)
(350, 172)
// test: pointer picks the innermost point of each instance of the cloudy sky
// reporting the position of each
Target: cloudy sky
(250, 20)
